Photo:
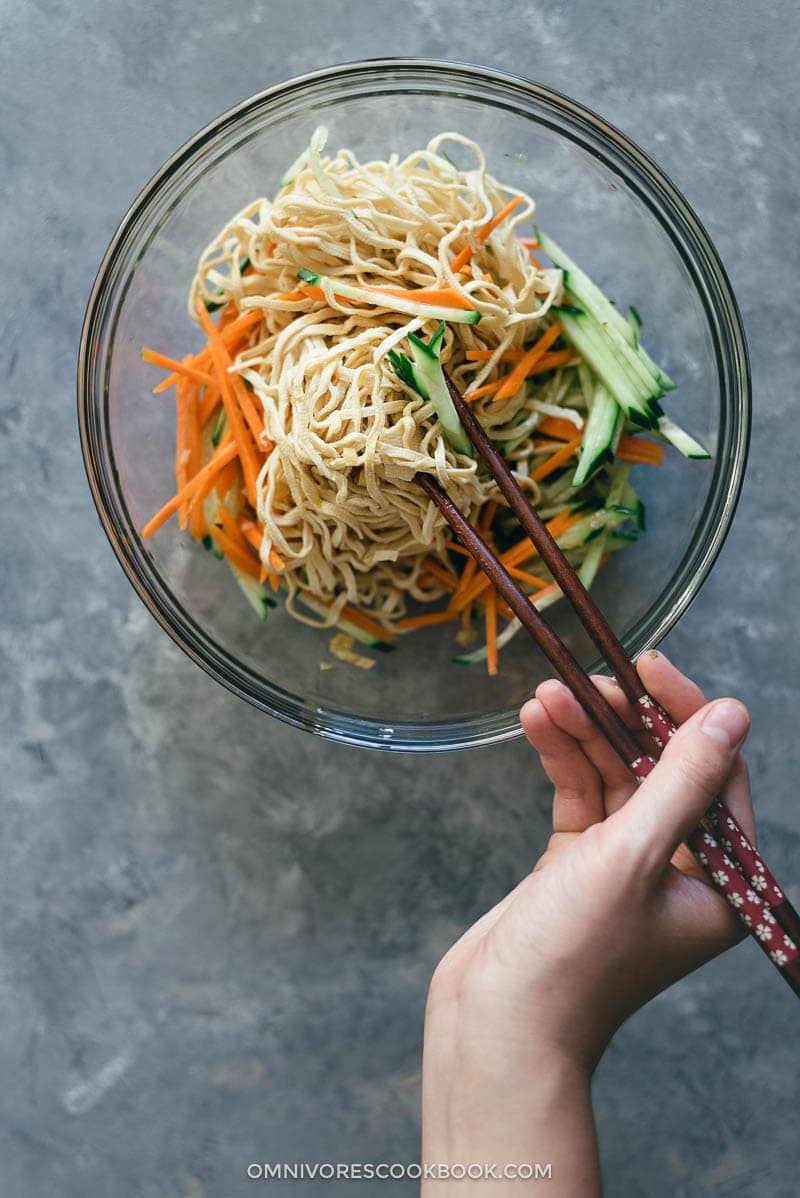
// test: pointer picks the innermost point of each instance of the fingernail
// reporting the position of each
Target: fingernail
(726, 721)
(654, 653)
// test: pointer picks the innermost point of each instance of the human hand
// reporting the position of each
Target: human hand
(615, 911)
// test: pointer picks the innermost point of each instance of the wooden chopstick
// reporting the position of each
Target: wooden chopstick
(656, 721)
(726, 874)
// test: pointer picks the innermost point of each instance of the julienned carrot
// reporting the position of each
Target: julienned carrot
(225, 453)
(557, 427)
(187, 438)
(487, 516)
(637, 449)
(532, 580)
(227, 479)
(492, 224)
(443, 297)
(231, 336)
(356, 616)
(208, 403)
(243, 559)
(561, 456)
(465, 255)
(222, 362)
(521, 552)
(516, 378)
(435, 570)
(252, 532)
(255, 422)
(491, 631)
(183, 369)
(559, 357)
(255, 535)
(435, 617)
(232, 529)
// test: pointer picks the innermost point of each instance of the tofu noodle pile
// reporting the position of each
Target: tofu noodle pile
(336, 495)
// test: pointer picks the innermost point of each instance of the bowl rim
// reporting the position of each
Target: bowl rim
(409, 736)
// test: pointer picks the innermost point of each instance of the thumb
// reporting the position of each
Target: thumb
(692, 771)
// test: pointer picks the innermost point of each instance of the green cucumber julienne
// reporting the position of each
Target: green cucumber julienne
(369, 296)
(423, 372)
(600, 436)
(589, 296)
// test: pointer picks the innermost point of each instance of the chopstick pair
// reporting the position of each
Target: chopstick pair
(734, 866)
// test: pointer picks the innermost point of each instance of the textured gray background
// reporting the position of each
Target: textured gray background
(216, 932)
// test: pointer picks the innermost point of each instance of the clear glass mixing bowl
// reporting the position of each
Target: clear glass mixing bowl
(611, 208)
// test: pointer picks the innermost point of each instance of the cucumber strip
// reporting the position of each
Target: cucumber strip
(294, 170)
(254, 593)
(393, 302)
(424, 374)
(681, 439)
(592, 298)
(211, 546)
(589, 526)
(353, 630)
(629, 502)
(586, 338)
(628, 355)
(212, 305)
(220, 425)
(591, 563)
(600, 436)
(318, 140)
(635, 323)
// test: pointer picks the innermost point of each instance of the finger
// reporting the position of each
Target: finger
(682, 697)
(578, 800)
(675, 796)
(565, 711)
(676, 693)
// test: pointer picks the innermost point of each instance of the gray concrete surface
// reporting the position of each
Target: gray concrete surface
(209, 958)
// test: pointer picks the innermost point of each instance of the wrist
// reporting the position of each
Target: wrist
(482, 1108)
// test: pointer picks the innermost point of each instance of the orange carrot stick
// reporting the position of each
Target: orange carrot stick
(444, 297)
(532, 580)
(429, 566)
(465, 255)
(522, 551)
(491, 631)
(180, 368)
(231, 337)
(516, 378)
(633, 448)
(557, 427)
(435, 617)
(562, 356)
(492, 224)
(208, 403)
(222, 361)
(226, 453)
(254, 531)
(561, 456)
(232, 529)
(241, 558)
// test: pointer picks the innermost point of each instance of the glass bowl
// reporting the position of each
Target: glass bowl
(609, 206)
